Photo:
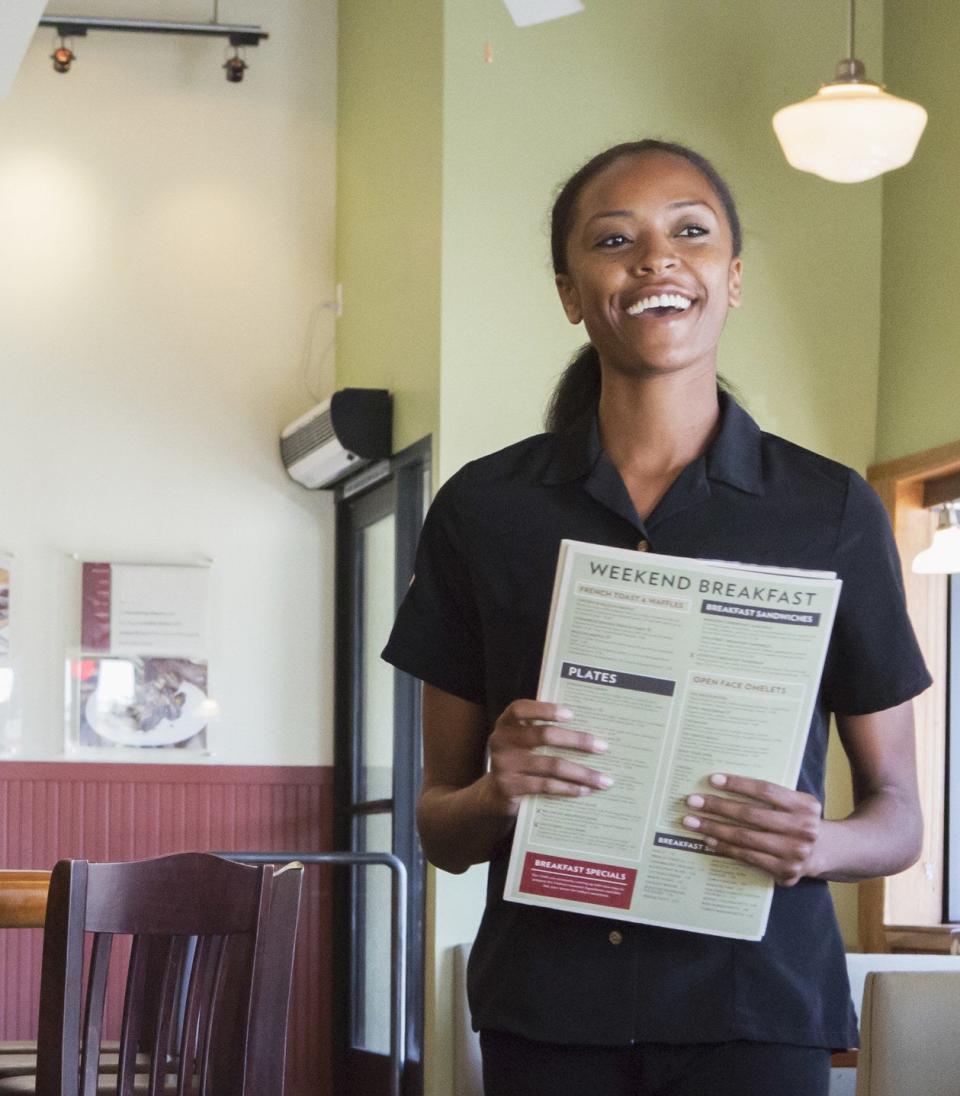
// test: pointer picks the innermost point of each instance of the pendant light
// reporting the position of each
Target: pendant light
(943, 555)
(852, 129)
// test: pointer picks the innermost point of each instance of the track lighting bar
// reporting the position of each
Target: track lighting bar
(73, 26)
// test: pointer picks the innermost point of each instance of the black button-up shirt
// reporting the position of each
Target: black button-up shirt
(473, 624)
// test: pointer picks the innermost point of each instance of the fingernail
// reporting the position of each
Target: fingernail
(584, 790)
(605, 781)
(691, 822)
(718, 780)
(710, 842)
(564, 714)
(695, 800)
(599, 746)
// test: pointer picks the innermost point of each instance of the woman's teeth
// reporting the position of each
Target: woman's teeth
(665, 300)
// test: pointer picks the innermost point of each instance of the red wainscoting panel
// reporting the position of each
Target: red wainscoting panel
(53, 810)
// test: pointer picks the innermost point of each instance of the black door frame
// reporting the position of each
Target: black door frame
(363, 1073)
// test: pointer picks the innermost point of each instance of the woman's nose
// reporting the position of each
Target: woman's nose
(654, 258)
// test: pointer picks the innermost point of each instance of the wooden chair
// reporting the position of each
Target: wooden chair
(225, 1035)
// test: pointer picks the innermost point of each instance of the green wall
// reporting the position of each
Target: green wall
(919, 401)
(804, 347)
(389, 204)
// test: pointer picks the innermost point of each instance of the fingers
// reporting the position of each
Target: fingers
(775, 795)
(801, 816)
(529, 724)
(517, 765)
(513, 783)
(776, 829)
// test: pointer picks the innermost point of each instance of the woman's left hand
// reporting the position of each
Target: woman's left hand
(776, 830)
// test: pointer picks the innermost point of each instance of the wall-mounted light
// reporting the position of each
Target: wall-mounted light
(852, 129)
(238, 35)
(62, 57)
(943, 555)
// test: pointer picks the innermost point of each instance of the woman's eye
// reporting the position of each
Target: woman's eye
(612, 241)
(693, 230)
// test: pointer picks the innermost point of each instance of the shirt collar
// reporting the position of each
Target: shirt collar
(734, 456)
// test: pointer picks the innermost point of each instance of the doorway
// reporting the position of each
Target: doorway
(377, 764)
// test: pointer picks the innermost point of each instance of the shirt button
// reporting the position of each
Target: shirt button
(615, 937)
(643, 546)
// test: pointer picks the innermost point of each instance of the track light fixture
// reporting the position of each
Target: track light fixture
(235, 67)
(238, 35)
(62, 57)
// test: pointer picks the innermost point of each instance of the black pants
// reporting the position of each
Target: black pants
(513, 1066)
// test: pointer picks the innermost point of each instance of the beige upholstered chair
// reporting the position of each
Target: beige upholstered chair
(910, 1033)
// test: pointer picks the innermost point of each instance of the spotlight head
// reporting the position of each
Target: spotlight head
(235, 67)
(62, 58)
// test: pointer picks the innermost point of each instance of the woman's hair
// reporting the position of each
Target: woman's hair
(578, 391)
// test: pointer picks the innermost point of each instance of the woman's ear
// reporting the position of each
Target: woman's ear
(569, 298)
(736, 270)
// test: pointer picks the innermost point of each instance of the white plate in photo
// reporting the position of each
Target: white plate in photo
(123, 730)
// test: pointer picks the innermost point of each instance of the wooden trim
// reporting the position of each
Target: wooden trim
(942, 489)
(928, 464)
(23, 898)
(892, 911)
(843, 1059)
(154, 773)
(940, 939)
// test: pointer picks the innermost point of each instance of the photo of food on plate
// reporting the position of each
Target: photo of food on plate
(142, 702)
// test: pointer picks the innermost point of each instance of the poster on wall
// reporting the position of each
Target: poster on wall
(139, 680)
(9, 723)
(6, 567)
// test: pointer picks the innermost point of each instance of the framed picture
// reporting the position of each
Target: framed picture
(139, 679)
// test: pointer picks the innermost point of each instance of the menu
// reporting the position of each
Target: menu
(686, 668)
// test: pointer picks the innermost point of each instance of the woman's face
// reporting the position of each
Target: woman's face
(650, 266)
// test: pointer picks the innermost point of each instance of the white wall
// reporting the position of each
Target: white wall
(165, 240)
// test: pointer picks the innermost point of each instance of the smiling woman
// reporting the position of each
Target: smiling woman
(643, 451)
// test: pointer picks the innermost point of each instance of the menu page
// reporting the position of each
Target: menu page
(685, 667)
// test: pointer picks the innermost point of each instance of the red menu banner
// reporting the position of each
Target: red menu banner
(95, 610)
(578, 880)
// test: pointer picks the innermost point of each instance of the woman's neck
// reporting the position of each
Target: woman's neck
(653, 427)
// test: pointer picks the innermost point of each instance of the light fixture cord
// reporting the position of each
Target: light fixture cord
(853, 24)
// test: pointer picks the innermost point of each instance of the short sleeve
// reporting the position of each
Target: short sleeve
(874, 660)
(436, 636)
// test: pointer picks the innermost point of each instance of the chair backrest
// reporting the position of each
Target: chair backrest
(910, 1029)
(207, 983)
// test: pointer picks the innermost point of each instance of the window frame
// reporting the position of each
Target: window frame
(951, 910)
(906, 912)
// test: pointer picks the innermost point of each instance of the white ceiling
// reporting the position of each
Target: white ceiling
(18, 21)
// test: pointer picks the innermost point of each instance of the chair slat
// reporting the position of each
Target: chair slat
(215, 979)
(206, 959)
(175, 950)
(132, 1024)
(93, 1019)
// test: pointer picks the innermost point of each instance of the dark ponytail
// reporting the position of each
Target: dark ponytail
(577, 393)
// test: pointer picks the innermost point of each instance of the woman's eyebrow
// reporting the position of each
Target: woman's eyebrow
(610, 213)
(682, 204)
(691, 202)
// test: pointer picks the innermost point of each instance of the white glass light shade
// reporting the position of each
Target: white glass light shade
(849, 132)
(943, 555)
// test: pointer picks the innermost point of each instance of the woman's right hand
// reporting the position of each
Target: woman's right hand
(516, 769)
